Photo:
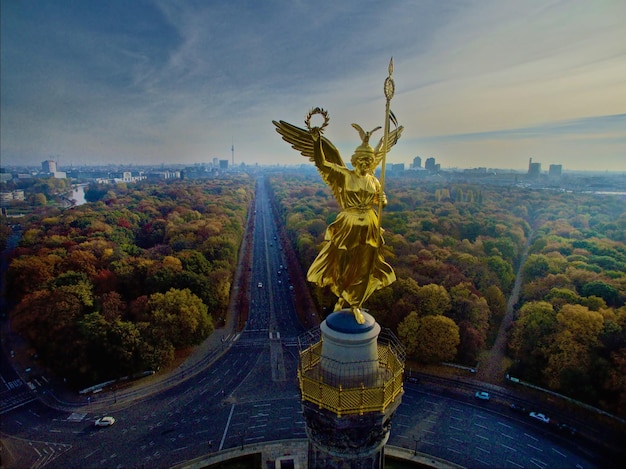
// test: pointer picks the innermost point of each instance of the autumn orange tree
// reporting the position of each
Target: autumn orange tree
(115, 286)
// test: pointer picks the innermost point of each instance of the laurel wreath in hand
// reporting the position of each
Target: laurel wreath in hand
(312, 112)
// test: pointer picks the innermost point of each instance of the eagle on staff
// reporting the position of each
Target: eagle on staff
(351, 260)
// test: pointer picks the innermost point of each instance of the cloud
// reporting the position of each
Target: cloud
(160, 81)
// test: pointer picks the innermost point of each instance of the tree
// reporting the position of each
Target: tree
(181, 315)
(496, 301)
(27, 274)
(472, 342)
(536, 266)
(432, 299)
(584, 325)
(112, 306)
(114, 347)
(560, 296)
(429, 339)
(616, 380)
(531, 338)
(438, 338)
(603, 290)
(408, 332)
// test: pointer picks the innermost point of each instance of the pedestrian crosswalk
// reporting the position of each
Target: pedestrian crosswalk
(16, 383)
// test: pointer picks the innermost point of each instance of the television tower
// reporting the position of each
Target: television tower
(232, 151)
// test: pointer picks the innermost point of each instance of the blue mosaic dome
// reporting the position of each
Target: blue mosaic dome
(343, 321)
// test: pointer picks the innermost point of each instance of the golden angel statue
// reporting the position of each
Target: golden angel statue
(351, 260)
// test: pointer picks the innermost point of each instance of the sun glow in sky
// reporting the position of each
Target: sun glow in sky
(479, 83)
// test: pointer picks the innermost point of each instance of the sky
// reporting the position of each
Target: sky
(479, 83)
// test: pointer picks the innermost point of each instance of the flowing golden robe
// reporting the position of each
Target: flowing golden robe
(351, 260)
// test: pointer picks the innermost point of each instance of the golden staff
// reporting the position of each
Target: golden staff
(390, 88)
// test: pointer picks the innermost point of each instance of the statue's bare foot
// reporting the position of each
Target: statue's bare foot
(360, 319)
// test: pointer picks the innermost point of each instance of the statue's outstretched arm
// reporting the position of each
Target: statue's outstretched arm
(318, 152)
(317, 148)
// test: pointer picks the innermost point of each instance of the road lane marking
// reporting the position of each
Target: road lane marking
(480, 436)
(534, 447)
(514, 463)
(481, 426)
(483, 450)
(93, 452)
(531, 437)
(558, 452)
(538, 463)
(504, 424)
(457, 428)
(230, 415)
(507, 436)
(507, 447)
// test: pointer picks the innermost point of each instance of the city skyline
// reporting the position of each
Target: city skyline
(478, 84)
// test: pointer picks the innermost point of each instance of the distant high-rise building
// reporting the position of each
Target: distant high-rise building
(49, 166)
(223, 164)
(534, 169)
(215, 162)
(417, 162)
(431, 165)
(555, 170)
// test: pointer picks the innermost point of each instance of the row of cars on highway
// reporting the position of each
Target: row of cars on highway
(537, 416)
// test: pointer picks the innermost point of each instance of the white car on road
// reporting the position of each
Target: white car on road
(105, 422)
(541, 417)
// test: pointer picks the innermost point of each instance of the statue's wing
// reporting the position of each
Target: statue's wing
(394, 136)
(301, 140)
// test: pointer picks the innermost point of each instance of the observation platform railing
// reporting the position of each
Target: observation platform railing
(348, 393)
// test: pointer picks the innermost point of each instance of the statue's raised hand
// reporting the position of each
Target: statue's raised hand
(315, 132)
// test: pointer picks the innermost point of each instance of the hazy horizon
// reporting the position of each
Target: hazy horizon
(478, 83)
